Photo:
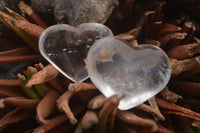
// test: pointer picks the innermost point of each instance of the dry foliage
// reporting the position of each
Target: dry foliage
(58, 105)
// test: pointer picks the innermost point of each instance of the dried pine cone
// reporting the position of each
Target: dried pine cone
(51, 103)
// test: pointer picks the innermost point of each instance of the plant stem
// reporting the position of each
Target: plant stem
(28, 91)
(41, 89)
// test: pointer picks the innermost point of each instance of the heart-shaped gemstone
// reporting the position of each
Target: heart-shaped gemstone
(138, 73)
(66, 47)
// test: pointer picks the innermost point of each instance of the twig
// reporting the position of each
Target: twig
(46, 74)
(82, 90)
(11, 22)
(186, 68)
(19, 102)
(171, 37)
(141, 124)
(31, 29)
(57, 121)
(39, 66)
(15, 116)
(50, 124)
(56, 84)
(16, 52)
(111, 121)
(28, 91)
(190, 28)
(47, 106)
(78, 128)
(130, 35)
(28, 10)
(41, 89)
(9, 82)
(16, 15)
(105, 112)
(147, 22)
(151, 110)
(153, 42)
(184, 51)
(153, 104)
(97, 102)
(167, 28)
(185, 87)
(171, 108)
(13, 91)
(62, 104)
(78, 87)
(89, 119)
(169, 95)
(157, 16)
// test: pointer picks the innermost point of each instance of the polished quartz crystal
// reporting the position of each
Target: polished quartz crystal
(66, 47)
(138, 73)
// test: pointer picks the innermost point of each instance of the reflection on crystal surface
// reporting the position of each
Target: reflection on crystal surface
(66, 47)
(139, 73)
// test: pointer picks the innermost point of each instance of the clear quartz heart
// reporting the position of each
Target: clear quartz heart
(138, 73)
(66, 47)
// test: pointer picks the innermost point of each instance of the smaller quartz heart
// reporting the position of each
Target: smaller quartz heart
(117, 69)
(66, 47)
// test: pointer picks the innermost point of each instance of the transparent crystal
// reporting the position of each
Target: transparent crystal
(66, 47)
(138, 73)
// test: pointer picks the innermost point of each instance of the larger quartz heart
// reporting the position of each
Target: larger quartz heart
(66, 47)
(138, 73)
